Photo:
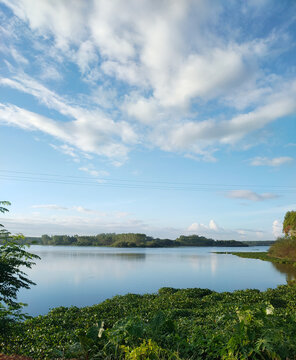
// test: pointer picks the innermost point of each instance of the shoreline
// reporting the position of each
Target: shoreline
(259, 256)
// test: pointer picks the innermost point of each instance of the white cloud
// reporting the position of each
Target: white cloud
(146, 50)
(19, 58)
(197, 135)
(263, 161)
(83, 209)
(203, 75)
(277, 228)
(91, 222)
(250, 195)
(54, 17)
(250, 95)
(213, 225)
(259, 234)
(217, 232)
(90, 132)
(93, 172)
(50, 207)
(121, 214)
(50, 72)
(67, 150)
(86, 55)
(78, 208)
(195, 226)
(87, 223)
(202, 227)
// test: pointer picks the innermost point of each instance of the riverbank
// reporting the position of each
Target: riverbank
(172, 324)
(260, 256)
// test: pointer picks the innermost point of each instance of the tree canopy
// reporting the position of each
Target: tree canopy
(289, 224)
(130, 240)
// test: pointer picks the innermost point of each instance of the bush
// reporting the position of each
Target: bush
(284, 248)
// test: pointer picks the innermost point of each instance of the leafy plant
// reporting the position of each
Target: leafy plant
(13, 258)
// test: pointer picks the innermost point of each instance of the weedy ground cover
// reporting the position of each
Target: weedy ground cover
(172, 324)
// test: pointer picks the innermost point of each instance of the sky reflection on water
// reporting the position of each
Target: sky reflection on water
(77, 276)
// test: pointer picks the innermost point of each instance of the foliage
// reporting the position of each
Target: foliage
(147, 350)
(289, 224)
(3, 232)
(259, 242)
(12, 278)
(173, 324)
(13, 258)
(284, 248)
(131, 240)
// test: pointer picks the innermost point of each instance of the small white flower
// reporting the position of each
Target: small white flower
(269, 310)
(101, 330)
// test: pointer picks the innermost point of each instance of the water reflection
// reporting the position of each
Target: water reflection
(68, 276)
(288, 270)
(133, 256)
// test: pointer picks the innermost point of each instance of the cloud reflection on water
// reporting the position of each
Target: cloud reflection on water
(85, 276)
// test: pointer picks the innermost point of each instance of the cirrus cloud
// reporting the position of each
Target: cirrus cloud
(277, 161)
(49, 206)
(250, 195)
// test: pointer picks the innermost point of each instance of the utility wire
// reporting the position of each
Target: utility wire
(10, 175)
(146, 181)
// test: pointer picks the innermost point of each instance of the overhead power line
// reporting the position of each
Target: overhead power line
(26, 176)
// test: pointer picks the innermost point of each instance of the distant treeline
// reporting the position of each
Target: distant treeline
(259, 242)
(130, 240)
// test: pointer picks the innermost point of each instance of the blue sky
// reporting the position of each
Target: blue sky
(162, 117)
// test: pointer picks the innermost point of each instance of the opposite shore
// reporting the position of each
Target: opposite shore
(134, 240)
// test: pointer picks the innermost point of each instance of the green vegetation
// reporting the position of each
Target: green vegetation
(258, 255)
(289, 224)
(131, 240)
(284, 249)
(281, 251)
(13, 258)
(259, 242)
(173, 324)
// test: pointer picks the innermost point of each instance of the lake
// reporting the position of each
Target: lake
(84, 276)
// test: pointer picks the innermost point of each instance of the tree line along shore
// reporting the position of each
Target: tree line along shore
(130, 240)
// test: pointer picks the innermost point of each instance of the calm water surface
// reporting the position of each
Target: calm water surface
(78, 276)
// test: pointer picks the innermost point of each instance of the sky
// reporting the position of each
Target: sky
(154, 116)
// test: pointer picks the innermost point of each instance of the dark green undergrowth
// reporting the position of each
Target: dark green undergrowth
(173, 324)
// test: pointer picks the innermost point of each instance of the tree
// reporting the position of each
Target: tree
(13, 257)
(289, 224)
